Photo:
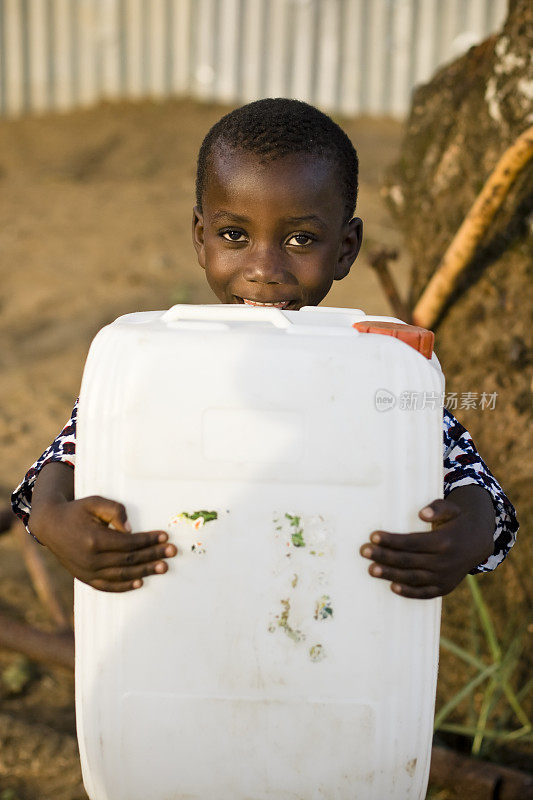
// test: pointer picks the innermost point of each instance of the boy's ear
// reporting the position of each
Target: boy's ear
(198, 235)
(350, 246)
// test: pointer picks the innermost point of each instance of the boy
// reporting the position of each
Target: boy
(273, 225)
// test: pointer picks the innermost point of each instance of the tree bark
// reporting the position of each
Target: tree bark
(460, 124)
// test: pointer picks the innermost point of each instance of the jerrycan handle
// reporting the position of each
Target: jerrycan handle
(226, 313)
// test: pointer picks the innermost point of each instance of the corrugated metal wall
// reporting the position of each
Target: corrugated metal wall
(352, 56)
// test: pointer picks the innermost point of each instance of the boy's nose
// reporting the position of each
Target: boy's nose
(266, 267)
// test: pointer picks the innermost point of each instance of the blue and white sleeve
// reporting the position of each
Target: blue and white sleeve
(63, 449)
(462, 466)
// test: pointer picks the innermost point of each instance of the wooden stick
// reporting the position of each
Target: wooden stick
(459, 253)
(53, 648)
(478, 780)
(379, 261)
(42, 583)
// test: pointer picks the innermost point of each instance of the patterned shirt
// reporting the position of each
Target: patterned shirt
(462, 466)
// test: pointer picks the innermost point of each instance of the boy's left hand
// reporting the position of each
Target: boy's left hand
(430, 564)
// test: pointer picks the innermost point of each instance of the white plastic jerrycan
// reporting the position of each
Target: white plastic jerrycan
(266, 664)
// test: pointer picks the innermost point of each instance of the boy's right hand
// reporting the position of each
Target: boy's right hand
(110, 559)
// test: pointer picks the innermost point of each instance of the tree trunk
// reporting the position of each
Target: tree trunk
(460, 125)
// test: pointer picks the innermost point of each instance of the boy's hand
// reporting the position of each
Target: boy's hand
(77, 532)
(431, 564)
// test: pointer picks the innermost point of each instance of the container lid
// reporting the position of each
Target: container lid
(419, 338)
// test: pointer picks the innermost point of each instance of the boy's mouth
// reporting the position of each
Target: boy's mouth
(249, 302)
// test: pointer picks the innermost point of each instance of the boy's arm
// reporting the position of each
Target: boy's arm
(62, 449)
(464, 466)
(78, 531)
(474, 527)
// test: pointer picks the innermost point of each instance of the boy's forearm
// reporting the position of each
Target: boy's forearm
(54, 485)
(476, 503)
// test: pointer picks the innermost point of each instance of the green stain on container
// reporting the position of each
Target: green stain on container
(323, 609)
(208, 516)
(297, 536)
(283, 623)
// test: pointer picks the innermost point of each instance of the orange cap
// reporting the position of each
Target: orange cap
(419, 338)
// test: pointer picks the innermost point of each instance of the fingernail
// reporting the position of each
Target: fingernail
(127, 526)
(137, 584)
(377, 571)
(428, 512)
(396, 588)
(366, 552)
(376, 538)
(162, 537)
(170, 551)
(161, 567)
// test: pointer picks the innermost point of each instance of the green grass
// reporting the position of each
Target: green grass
(497, 690)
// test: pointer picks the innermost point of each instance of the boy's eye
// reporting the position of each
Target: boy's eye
(232, 235)
(300, 239)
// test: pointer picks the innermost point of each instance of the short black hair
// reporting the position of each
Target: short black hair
(275, 127)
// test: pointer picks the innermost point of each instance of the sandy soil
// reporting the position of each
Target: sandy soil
(96, 223)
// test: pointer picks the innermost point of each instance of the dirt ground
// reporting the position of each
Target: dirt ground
(96, 223)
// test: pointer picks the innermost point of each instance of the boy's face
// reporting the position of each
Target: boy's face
(273, 234)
